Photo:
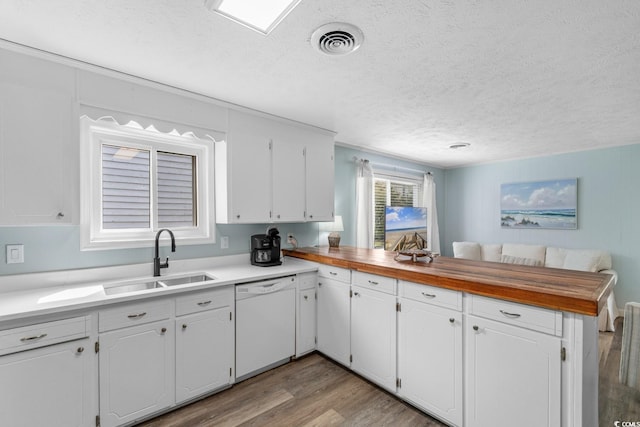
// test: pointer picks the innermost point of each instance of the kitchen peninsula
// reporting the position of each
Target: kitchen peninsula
(472, 343)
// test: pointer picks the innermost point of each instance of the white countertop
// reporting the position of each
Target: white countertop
(23, 296)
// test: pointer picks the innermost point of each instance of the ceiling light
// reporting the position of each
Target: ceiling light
(259, 15)
(459, 145)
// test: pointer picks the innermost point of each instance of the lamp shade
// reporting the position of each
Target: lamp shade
(336, 225)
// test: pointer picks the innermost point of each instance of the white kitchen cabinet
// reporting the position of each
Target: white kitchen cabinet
(136, 362)
(513, 375)
(320, 188)
(430, 357)
(243, 171)
(48, 377)
(36, 155)
(263, 172)
(306, 313)
(373, 335)
(204, 343)
(334, 318)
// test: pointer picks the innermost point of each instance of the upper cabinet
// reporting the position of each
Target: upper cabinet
(37, 142)
(271, 171)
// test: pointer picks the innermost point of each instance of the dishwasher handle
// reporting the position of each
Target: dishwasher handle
(259, 288)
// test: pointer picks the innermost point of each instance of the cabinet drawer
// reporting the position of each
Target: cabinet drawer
(202, 301)
(526, 316)
(336, 273)
(133, 314)
(39, 335)
(307, 280)
(431, 294)
(373, 281)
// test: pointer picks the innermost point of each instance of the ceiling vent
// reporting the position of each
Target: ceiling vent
(337, 38)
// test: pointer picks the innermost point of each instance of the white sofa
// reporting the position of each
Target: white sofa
(547, 256)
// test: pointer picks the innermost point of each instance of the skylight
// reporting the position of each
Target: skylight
(259, 15)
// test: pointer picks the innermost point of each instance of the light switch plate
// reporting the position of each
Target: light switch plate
(15, 254)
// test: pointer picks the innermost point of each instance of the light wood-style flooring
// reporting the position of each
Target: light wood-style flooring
(314, 391)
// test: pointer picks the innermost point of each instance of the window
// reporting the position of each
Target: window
(137, 181)
(392, 191)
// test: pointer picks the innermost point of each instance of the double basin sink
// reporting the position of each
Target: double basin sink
(157, 283)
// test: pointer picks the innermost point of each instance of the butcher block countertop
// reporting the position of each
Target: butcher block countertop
(558, 289)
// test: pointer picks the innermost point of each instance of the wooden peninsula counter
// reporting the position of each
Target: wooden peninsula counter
(565, 290)
(472, 343)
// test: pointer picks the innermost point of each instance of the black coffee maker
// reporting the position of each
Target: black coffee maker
(265, 248)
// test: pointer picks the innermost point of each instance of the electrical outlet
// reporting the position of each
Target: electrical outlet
(289, 237)
(15, 254)
(224, 242)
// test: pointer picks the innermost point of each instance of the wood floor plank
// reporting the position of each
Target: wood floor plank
(328, 418)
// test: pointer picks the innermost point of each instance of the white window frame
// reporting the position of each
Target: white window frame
(95, 133)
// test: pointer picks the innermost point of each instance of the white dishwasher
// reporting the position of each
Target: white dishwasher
(265, 325)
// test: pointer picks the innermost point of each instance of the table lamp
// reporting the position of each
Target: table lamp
(334, 227)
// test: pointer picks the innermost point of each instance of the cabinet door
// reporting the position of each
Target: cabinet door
(36, 156)
(204, 352)
(430, 359)
(373, 336)
(513, 376)
(334, 314)
(288, 177)
(306, 333)
(49, 386)
(136, 372)
(320, 179)
(249, 169)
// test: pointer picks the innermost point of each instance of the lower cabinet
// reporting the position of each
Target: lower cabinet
(204, 353)
(136, 372)
(334, 317)
(306, 313)
(373, 336)
(513, 376)
(430, 359)
(48, 386)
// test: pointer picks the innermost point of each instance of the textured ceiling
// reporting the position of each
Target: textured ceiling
(513, 78)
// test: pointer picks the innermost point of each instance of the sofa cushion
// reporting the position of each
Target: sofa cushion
(524, 251)
(491, 252)
(555, 257)
(508, 259)
(467, 250)
(586, 260)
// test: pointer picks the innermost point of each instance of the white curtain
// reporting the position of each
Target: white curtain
(429, 198)
(364, 205)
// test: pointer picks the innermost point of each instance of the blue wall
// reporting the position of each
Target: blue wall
(608, 206)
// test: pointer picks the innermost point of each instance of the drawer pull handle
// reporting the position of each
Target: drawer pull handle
(137, 316)
(372, 282)
(306, 297)
(356, 294)
(203, 303)
(452, 320)
(475, 327)
(80, 349)
(184, 326)
(163, 330)
(333, 273)
(35, 337)
(426, 295)
(511, 315)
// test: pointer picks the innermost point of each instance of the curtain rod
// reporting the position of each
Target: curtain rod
(393, 167)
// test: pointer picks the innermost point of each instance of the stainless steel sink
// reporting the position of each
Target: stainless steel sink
(196, 278)
(133, 287)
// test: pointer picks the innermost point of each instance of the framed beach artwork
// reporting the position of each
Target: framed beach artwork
(540, 204)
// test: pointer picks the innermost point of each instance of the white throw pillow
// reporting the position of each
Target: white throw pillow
(508, 259)
(524, 251)
(555, 257)
(467, 250)
(582, 260)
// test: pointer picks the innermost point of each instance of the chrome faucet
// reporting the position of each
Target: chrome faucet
(156, 260)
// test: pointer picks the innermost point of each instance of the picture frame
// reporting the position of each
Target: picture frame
(549, 204)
